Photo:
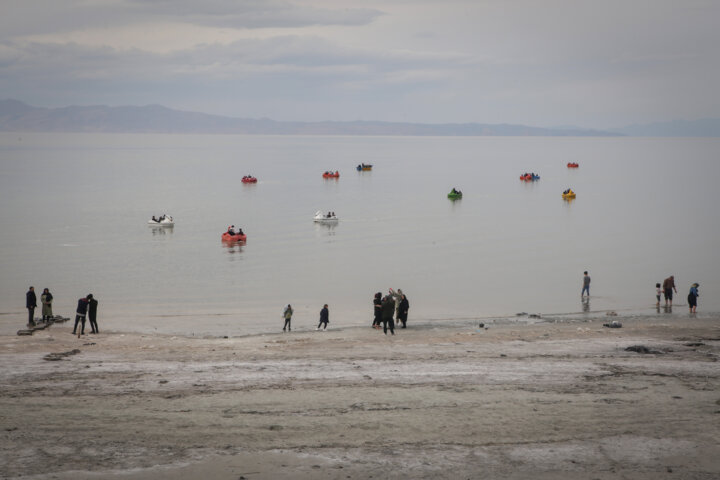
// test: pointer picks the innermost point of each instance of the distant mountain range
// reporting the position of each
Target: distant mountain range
(16, 116)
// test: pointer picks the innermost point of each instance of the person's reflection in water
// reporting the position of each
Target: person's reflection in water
(586, 304)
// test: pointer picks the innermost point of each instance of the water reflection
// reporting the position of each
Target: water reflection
(586, 304)
(161, 230)
(233, 246)
(455, 203)
(325, 228)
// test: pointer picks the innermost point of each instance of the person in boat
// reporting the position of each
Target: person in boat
(231, 230)
(155, 219)
(454, 191)
(240, 231)
(329, 215)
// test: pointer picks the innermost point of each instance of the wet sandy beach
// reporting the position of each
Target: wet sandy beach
(543, 401)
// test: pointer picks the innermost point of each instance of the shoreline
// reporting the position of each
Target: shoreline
(561, 400)
(458, 321)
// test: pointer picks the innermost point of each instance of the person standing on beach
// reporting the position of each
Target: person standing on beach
(30, 304)
(324, 317)
(586, 284)
(388, 310)
(287, 315)
(402, 312)
(668, 287)
(658, 293)
(377, 310)
(92, 313)
(692, 297)
(80, 313)
(46, 299)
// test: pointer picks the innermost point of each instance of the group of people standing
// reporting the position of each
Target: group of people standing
(394, 304)
(86, 307)
(31, 304)
(667, 289)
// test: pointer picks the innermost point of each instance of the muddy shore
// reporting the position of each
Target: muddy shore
(542, 401)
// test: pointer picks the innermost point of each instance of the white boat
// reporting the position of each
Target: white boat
(321, 217)
(167, 221)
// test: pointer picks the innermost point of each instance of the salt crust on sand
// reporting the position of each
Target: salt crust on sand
(544, 401)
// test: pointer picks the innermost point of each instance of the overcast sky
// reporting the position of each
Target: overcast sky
(536, 62)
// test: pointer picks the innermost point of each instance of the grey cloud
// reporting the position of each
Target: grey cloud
(50, 16)
(253, 14)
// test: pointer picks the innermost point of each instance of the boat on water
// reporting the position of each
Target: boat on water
(162, 221)
(249, 179)
(364, 167)
(568, 194)
(573, 165)
(455, 194)
(238, 237)
(321, 217)
(330, 174)
(529, 177)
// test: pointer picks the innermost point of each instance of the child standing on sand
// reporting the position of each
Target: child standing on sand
(658, 293)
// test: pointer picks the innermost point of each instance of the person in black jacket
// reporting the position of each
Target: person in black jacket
(92, 313)
(403, 308)
(377, 310)
(30, 304)
(324, 317)
(388, 310)
(82, 307)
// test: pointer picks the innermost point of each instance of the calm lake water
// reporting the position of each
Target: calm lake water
(75, 209)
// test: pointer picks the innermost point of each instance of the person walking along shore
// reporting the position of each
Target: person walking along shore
(324, 317)
(586, 284)
(287, 315)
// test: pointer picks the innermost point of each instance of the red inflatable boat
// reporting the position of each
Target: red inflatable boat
(226, 237)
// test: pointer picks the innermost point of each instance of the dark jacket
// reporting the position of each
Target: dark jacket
(324, 315)
(30, 299)
(403, 308)
(92, 308)
(82, 306)
(377, 305)
(388, 308)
